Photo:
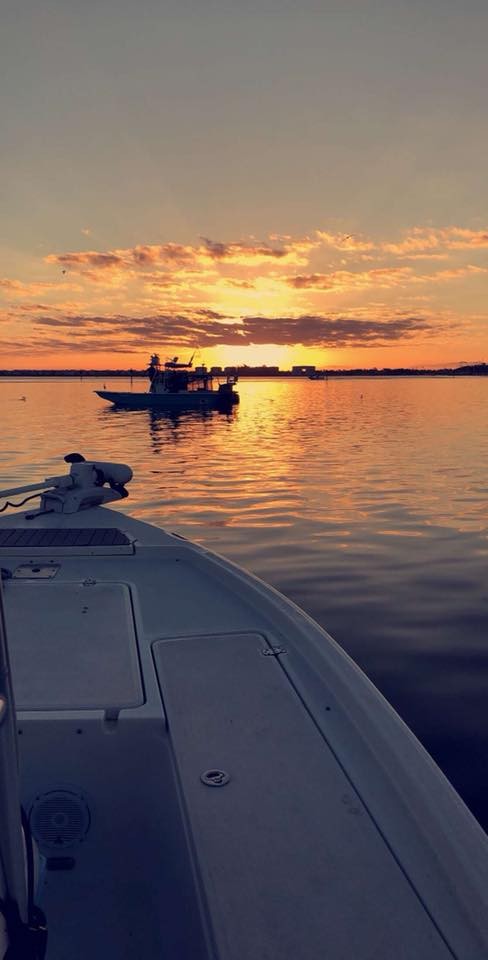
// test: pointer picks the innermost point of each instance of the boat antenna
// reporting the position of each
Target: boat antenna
(196, 351)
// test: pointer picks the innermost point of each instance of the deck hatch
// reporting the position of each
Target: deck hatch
(72, 645)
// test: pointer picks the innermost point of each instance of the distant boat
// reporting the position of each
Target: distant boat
(177, 386)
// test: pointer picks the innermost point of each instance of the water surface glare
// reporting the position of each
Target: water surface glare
(365, 501)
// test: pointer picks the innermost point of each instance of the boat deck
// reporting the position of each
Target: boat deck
(334, 834)
(286, 844)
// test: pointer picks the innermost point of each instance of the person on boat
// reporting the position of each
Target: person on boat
(153, 370)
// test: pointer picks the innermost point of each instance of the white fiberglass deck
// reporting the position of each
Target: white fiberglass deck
(335, 836)
(286, 845)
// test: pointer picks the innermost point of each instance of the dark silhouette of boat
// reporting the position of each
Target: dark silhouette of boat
(177, 386)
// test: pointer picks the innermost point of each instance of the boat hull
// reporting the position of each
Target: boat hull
(186, 400)
(148, 673)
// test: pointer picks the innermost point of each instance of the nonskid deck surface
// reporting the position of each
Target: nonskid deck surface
(15, 537)
(333, 834)
(126, 889)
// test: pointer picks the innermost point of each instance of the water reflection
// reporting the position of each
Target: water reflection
(364, 501)
(173, 426)
(176, 426)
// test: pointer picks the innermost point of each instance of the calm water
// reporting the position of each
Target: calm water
(365, 501)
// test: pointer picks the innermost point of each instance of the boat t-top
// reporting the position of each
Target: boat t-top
(178, 386)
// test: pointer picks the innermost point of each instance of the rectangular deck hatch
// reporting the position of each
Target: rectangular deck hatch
(72, 645)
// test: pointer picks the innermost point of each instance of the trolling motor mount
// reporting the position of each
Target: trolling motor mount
(89, 483)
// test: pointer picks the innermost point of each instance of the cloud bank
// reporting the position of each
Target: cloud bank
(209, 329)
(328, 290)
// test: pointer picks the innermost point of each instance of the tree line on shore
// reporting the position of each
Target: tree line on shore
(466, 370)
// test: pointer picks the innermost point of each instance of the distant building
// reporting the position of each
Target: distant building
(262, 371)
(246, 371)
(302, 371)
(216, 370)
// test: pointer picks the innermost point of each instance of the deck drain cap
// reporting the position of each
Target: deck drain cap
(215, 778)
(59, 818)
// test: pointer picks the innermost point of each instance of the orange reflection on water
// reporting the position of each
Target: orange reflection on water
(339, 453)
(365, 501)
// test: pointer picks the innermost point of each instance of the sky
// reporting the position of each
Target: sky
(259, 182)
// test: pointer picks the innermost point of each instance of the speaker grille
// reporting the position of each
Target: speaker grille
(59, 819)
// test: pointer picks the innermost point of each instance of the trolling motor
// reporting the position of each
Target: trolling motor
(88, 484)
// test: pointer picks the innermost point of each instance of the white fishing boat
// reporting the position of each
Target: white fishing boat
(177, 386)
(205, 774)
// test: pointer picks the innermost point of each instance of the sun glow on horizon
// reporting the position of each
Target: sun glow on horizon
(268, 354)
(417, 299)
(224, 190)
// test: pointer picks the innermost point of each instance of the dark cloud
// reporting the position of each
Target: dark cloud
(208, 328)
(319, 331)
(211, 314)
(79, 320)
(163, 281)
(303, 282)
(147, 254)
(241, 284)
(91, 258)
(32, 307)
(144, 255)
(221, 251)
(48, 345)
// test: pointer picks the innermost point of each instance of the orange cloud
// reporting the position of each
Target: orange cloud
(419, 243)
(243, 253)
(350, 242)
(455, 273)
(204, 270)
(16, 288)
(459, 238)
(343, 280)
(423, 241)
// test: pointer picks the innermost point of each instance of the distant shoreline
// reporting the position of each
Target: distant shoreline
(468, 370)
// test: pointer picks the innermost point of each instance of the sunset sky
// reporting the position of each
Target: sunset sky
(260, 180)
